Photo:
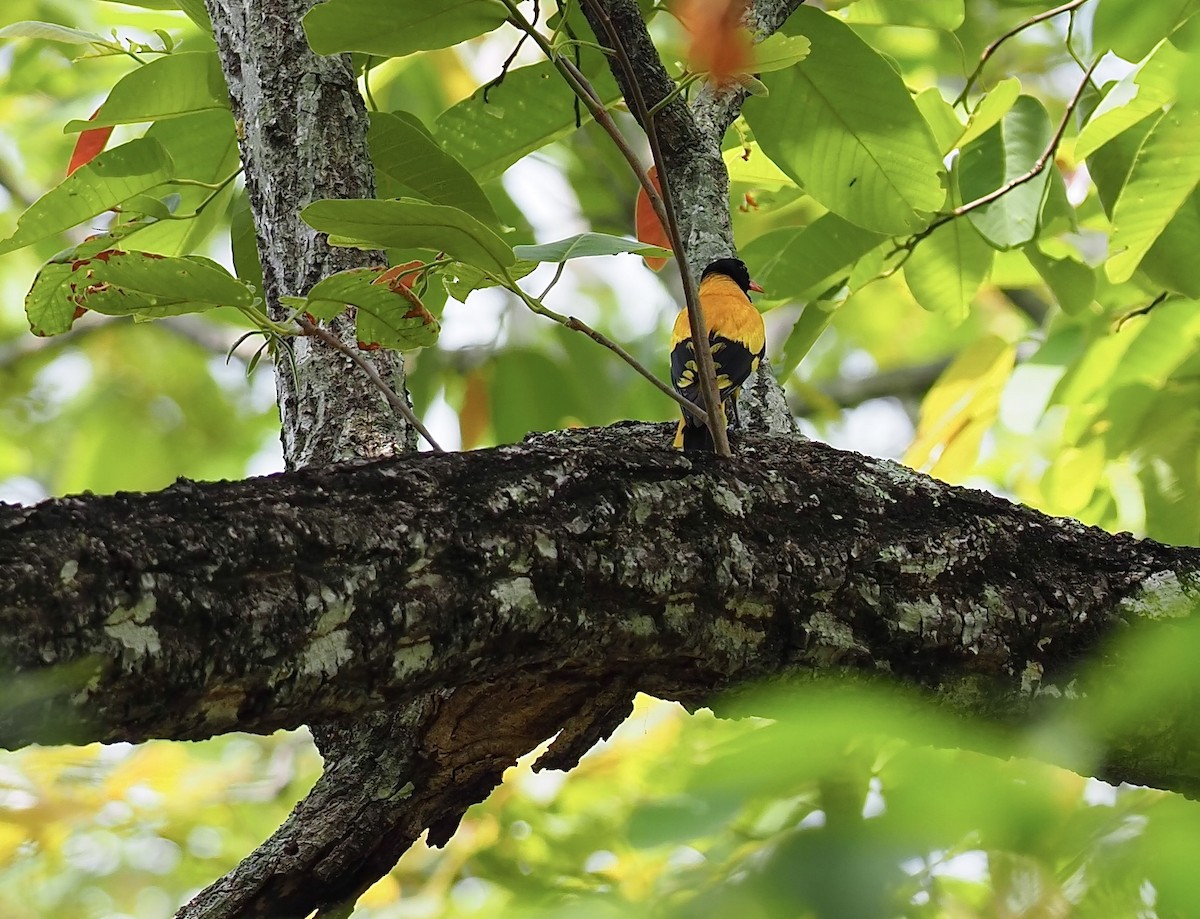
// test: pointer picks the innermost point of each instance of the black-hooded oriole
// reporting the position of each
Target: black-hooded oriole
(736, 338)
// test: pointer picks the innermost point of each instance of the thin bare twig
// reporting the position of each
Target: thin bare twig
(578, 325)
(396, 402)
(1035, 170)
(699, 330)
(994, 46)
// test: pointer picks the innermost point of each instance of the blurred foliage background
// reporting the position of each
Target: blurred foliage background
(1056, 386)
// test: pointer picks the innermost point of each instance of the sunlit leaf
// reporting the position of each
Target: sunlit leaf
(1163, 176)
(995, 104)
(586, 244)
(378, 27)
(170, 86)
(373, 224)
(387, 316)
(1139, 93)
(648, 227)
(102, 184)
(1131, 28)
(408, 163)
(1005, 152)
(531, 108)
(795, 263)
(50, 31)
(844, 126)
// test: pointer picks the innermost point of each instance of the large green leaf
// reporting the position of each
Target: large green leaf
(1072, 282)
(531, 108)
(409, 163)
(386, 315)
(119, 283)
(799, 263)
(1171, 262)
(203, 146)
(939, 14)
(173, 85)
(373, 224)
(51, 31)
(995, 104)
(845, 127)
(387, 29)
(1165, 171)
(945, 270)
(1137, 95)
(112, 177)
(1132, 27)
(1005, 152)
(586, 244)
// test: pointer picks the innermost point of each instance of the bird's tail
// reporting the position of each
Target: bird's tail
(695, 435)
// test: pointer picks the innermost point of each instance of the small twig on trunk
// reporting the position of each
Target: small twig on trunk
(397, 403)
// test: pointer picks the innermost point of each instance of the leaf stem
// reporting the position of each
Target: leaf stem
(1039, 165)
(535, 305)
(1020, 27)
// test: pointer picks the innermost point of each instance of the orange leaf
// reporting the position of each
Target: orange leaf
(720, 44)
(89, 145)
(648, 227)
(400, 275)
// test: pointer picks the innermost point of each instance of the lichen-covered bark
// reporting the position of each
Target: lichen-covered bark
(302, 130)
(583, 559)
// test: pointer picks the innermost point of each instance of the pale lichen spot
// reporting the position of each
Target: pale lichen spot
(129, 626)
(412, 657)
(67, 573)
(729, 501)
(1160, 596)
(915, 616)
(545, 546)
(325, 654)
(515, 594)
(1031, 677)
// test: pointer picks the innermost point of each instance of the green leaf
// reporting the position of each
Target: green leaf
(995, 104)
(50, 31)
(1171, 262)
(1003, 153)
(941, 118)
(531, 108)
(1165, 171)
(386, 317)
(939, 14)
(372, 224)
(1131, 28)
(750, 165)
(119, 283)
(587, 244)
(805, 331)
(243, 242)
(1137, 95)
(775, 52)
(791, 263)
(381, 27)
(408, 163)
(461, 280)
(170, 86)
(945, 270)
(202, 146)
(844, 126)
(112, 177)
(1072, 283)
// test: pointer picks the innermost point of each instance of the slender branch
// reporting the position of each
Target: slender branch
(578, 325)
(994, 46)
(401, 407)
(1035, 170)
(699, 330)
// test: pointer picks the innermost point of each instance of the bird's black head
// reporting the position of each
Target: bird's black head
(730, 267)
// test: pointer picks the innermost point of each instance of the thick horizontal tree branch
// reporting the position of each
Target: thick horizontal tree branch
(585, 559)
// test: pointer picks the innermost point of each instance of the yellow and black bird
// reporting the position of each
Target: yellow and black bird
(736, 338)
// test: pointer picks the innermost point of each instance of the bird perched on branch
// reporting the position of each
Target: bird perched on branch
(736, 338)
